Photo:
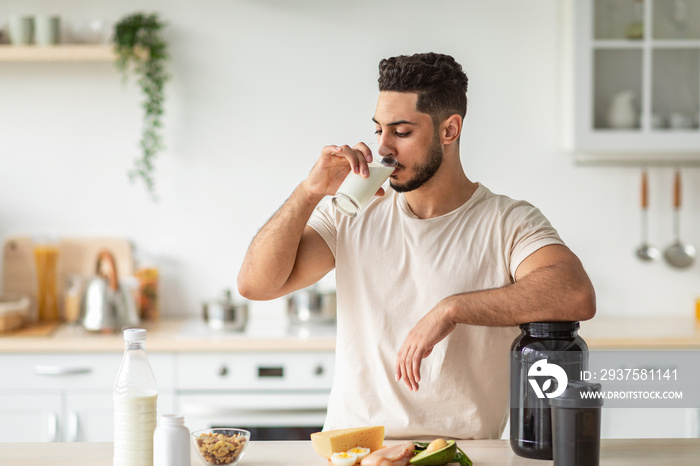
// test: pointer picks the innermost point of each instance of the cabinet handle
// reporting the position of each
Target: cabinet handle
(73, 427)
(53, 427)
(59, 370)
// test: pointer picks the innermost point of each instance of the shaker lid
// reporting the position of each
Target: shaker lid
(561, 326)
(579, 395)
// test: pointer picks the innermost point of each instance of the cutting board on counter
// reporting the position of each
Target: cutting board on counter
(76, 256)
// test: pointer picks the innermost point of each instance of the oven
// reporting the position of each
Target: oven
(275, 395)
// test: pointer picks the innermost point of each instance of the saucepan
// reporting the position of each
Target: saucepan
(312, 306)
(226, 313)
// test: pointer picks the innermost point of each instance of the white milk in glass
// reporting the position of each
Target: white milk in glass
(356, 191)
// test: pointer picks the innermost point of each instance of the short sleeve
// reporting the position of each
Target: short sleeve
(526, 230)
(323, 221)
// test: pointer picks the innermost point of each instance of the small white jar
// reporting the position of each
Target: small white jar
(171, 442)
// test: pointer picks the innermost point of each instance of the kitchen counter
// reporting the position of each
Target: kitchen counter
(620, 333)
(177, 335)
(191, 335)
(300, 453)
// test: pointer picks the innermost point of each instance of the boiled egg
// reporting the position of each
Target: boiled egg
(360, 452)
(343, 458)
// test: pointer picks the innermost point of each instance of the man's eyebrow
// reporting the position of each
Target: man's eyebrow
(396, 123)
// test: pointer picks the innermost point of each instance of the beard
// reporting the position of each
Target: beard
(423, 171)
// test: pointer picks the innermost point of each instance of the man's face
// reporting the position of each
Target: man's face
(409, 135)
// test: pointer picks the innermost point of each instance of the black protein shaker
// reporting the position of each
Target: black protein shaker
(576, 416)
(543, 359)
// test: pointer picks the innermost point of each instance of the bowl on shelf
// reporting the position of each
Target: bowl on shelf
(221, 445)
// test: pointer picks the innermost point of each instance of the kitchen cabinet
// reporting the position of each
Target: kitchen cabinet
(29, 417)
(636, 80)
(67, 397)
(57, 53)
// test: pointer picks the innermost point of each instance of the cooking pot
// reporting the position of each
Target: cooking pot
(225, 313)
(105, 305)
(312, 306)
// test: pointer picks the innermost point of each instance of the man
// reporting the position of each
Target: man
(432, 276)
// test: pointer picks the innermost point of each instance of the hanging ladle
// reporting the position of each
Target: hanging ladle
(677, 254)
(645, 251)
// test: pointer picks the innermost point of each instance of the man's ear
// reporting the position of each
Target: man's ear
(450, 129)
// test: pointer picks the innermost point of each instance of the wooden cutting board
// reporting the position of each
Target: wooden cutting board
(76, 256)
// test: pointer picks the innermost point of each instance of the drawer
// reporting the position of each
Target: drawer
(74, 371)
(255, 371)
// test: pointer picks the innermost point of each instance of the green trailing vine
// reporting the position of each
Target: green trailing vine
(138, 42)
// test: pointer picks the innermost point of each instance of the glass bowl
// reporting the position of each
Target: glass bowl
(221, 445)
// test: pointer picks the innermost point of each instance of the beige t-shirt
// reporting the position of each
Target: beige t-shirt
(391, 269)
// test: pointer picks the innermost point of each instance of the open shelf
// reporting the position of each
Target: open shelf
(57, 53)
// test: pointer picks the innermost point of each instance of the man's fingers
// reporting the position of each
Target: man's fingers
(356, 158)
(415, 367)
(399, 362)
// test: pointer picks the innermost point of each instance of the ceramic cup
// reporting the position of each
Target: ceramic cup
(47, 30)
(21, 29)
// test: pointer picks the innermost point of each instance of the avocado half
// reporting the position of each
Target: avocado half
(436, 458)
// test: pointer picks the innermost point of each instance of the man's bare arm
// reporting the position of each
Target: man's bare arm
(551, 285)
(287, 255)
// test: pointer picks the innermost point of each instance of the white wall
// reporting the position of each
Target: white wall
(259, 86)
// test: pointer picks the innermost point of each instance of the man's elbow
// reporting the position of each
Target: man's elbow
(247, 289)
(244, 288)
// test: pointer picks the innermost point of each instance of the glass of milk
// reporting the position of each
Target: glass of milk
(356, 191)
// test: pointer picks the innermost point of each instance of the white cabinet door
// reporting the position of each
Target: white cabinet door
(89, 417)
(30, 418)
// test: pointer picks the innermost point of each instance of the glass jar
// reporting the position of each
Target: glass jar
(543, 359)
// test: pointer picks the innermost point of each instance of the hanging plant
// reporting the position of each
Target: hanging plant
(139, 45)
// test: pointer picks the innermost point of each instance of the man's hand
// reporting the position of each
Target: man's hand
(419, 343)
(333, 166)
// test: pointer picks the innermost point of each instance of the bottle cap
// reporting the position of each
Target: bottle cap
(172, 420)
(134, 334)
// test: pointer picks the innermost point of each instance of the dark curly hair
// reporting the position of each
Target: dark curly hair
(438, 79)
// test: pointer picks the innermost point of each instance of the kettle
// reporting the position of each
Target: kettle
(105, 306)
